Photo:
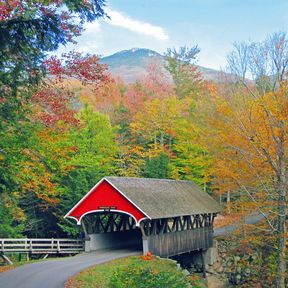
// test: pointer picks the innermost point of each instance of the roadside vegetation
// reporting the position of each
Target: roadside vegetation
(134, 272)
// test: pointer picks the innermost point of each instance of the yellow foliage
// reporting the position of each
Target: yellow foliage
(18, 214)
(244, 137)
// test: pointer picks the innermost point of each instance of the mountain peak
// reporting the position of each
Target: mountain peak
(131, 64)
(144, 52)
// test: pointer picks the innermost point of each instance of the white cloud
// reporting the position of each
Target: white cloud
(88, 42)
(92, 26)
(118, 19)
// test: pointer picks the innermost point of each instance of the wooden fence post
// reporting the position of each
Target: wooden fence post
(31, 247)
(26, 244)
(58, 245)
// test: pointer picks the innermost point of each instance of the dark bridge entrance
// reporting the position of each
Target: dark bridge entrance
(165, 217)
(111, 230)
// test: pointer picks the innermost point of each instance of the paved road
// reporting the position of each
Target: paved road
(252, 219)
(54, 273)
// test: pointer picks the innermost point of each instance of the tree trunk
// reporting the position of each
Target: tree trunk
(228, 201)
(282, 211)
(162, 141)
(281, 249)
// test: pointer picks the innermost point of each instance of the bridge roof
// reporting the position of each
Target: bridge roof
(144, 198)
(163, 198)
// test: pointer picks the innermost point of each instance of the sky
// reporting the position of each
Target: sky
(214, 25)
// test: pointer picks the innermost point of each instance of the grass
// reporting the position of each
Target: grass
(99, 276)
(5, 267)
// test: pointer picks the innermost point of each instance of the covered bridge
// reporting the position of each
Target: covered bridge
(166, 217)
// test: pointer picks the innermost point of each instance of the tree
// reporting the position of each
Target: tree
(190, 159)
(266, 63)
(53, 111)
(156, 82)
(157, 167)
(167, 129)
(108, 98)
(181, 65)
(250, 133)
(95, 156)
(28, 30)
(253, 156)
(37, 150)
(39, 191)
(95, 142)
(157, 122)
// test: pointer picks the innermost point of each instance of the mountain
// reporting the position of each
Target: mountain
(131, 64)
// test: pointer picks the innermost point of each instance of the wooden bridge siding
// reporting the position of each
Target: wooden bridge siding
(171, 244)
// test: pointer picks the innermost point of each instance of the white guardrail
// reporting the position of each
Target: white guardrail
(41, 246)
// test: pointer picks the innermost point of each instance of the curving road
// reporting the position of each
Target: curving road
(251, 219)
(54, 273)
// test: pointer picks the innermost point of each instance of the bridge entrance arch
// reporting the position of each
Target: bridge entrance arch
(106, 229)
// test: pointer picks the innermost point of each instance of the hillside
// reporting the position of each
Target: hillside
(131, 64)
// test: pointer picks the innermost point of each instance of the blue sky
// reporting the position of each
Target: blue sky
(158, 24)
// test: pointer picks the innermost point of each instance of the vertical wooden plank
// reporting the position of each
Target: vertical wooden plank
(58, 245)
(30, 245)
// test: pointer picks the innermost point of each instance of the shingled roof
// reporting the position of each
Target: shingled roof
(162, 198)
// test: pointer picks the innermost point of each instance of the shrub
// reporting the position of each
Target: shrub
(137, 277)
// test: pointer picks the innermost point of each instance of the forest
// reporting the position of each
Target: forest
(66, 123)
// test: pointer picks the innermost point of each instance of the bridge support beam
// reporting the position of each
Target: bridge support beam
(203, 263)
(145, 245)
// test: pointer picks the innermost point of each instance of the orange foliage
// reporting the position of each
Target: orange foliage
(244, 137)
